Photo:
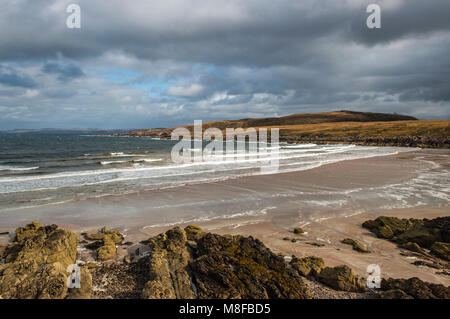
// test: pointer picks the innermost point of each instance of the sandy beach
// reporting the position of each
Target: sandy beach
(329, 202)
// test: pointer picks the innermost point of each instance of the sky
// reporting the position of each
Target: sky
(142, 64)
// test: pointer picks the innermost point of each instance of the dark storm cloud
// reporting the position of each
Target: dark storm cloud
(10, 77)
(411, 18)
(183, 59)
(64, 71)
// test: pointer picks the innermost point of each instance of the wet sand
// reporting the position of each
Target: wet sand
(322, 200)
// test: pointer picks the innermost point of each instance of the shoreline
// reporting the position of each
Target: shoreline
(249, 181)
(323, 201)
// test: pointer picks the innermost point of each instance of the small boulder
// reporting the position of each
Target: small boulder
(298, 231)
(355, 244)
(341, 278)
(307, 266)
(105, 242)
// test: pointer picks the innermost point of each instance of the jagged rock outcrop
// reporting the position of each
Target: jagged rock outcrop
(339, 278)
(413, 247)
(412, 288)
(190, 263)
(105, 242)
(355, 244)
(36, 262)
(414, 234)
(169, 272)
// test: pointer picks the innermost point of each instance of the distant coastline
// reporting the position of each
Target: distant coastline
(343, 127)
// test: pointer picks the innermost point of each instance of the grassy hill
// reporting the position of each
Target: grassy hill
(308, 118)
(341, 127)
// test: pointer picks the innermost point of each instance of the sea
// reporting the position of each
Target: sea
(42, 169)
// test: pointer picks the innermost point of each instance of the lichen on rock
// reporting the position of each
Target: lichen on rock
(217, 267)
(307, 266)
(105, 242)
(36, 262)
(341, 278)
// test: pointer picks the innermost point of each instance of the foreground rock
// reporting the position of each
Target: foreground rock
(36, 262)
(412, 288)
(308, 266)
(341, 278)
(415, 234)
(183, 263)
(192, 264)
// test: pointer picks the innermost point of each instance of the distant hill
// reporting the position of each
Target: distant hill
(294, 119)
(311, 118)
(364, 128)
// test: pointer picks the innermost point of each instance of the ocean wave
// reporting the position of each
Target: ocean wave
(112, 162)
(299, 145)
(15, 168)
(145, 160)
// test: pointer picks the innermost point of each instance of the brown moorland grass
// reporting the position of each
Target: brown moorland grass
(436, 128)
